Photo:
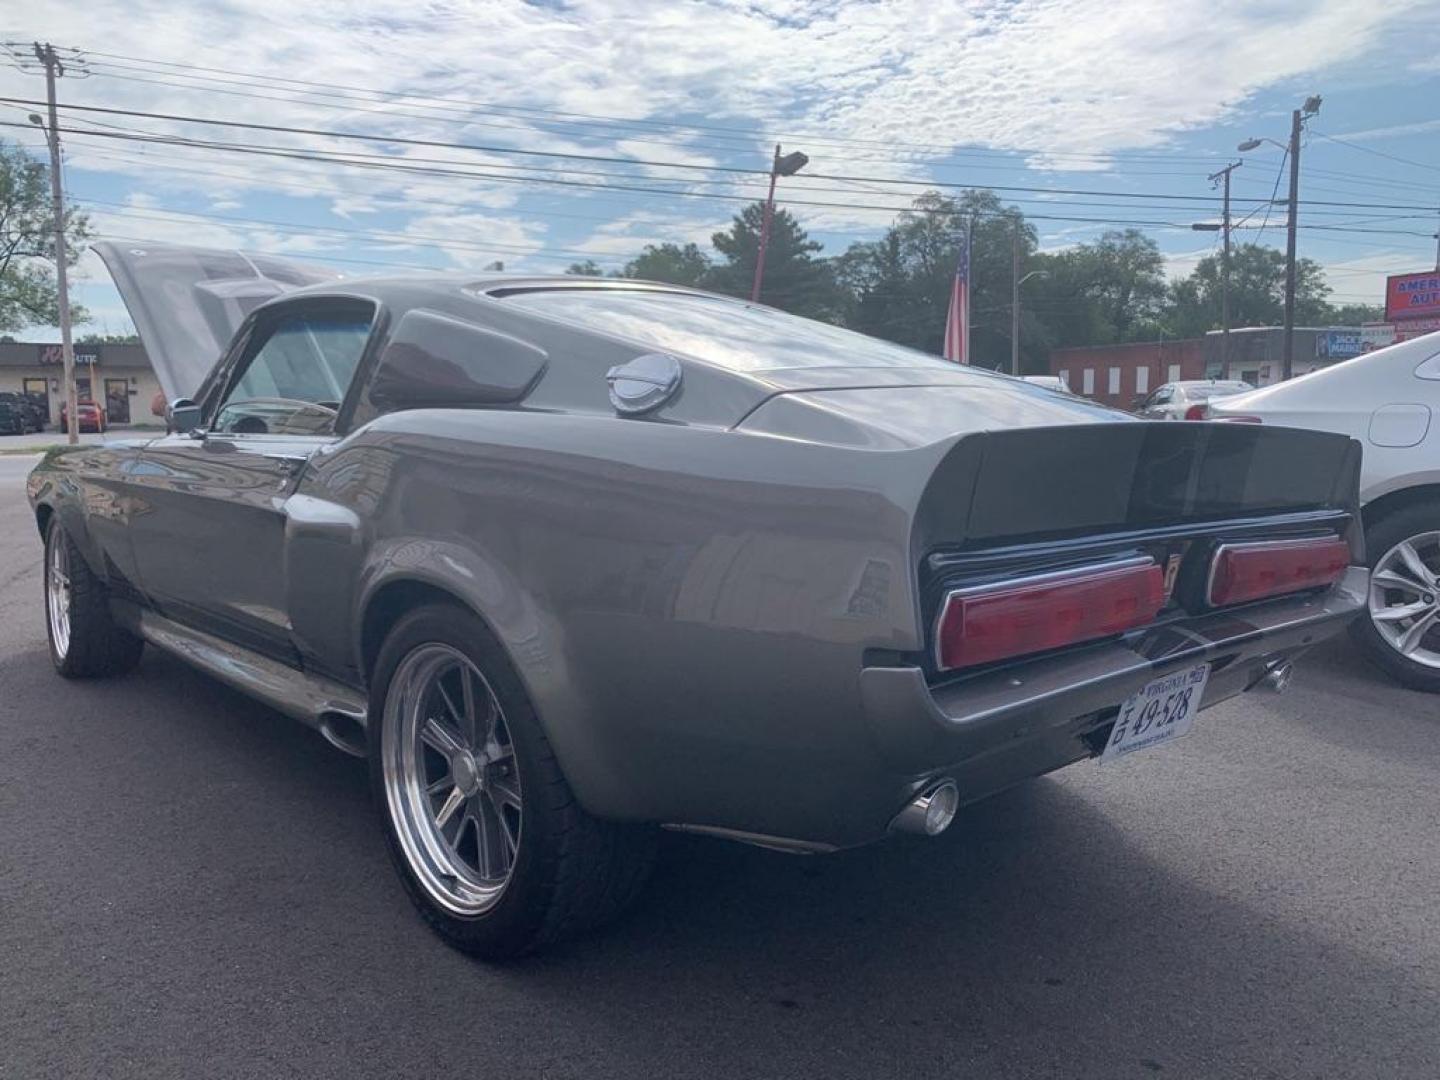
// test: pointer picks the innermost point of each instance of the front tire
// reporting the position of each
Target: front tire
(85, 642)
(488, 839)
(1401, 632)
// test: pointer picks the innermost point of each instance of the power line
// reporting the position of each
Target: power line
(613, 121)
(530, 125)
(729, 170)
(1377, 153)
(384, 236)
(270, 182)
(603, 158)
(471, 173)
(1274, 192)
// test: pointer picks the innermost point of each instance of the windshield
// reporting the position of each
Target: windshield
(741, 337)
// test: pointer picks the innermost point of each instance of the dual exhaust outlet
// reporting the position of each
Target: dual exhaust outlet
(932, 812)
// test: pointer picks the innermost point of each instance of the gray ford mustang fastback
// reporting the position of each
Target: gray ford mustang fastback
(567, 559)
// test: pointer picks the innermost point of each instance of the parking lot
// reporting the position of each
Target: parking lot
(191, 885)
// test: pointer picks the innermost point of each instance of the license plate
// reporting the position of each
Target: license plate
(1162, 711)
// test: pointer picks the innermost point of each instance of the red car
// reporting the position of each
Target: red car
(92, 417)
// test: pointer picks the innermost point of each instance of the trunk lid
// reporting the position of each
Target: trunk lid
(187, 302)
(1048, 483)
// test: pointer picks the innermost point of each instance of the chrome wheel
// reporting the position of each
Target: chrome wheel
(1405, 598)
(450, 776)
(57, 594)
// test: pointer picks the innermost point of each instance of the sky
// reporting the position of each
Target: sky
(591, 128)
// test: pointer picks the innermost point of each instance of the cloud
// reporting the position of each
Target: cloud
(880, 89)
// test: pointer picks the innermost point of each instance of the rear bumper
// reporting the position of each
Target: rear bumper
(994, 729)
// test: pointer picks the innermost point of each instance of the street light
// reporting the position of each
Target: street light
(1292, 206)
(1015, 317)
(788, 165)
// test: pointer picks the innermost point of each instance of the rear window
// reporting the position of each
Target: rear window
(728, 333)
(1205, 393)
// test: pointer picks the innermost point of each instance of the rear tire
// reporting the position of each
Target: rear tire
(85, 642)
(452, 727)
(1405, 647)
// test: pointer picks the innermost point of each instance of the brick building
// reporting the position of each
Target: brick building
(1119, 374)
(117, 376)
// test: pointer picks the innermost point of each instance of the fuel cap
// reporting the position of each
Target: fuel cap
(642, 384)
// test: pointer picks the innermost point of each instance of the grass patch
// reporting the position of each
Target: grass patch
(17, 451)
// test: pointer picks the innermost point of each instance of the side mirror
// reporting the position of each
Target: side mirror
(183, 415)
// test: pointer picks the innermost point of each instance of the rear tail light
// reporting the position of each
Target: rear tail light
(1242, 572)
(1028, 615)
(1197, 411)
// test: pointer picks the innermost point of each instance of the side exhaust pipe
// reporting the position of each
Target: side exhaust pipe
(929, 814)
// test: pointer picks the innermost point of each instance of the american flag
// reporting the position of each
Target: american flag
(957, 322)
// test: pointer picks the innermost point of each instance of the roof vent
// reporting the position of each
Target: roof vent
(642, 384)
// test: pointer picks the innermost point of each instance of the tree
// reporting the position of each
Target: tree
(670, 263)
(1257, 292)
(109, 339)
(1101, 293)
(588, 268)
(1355, 314)
(795, 280)
(28, 293)
(899, 286)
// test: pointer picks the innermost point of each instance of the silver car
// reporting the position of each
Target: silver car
(1186, 400)
(566, 560)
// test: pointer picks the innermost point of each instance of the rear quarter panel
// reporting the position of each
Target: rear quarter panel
(689, 607)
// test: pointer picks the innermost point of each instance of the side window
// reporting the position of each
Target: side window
(296, 376)
(1162, 396)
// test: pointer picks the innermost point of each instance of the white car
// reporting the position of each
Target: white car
(1390, 401)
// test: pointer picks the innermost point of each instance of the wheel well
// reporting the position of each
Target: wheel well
(43, 514)
(385, 609)
(1398, 500)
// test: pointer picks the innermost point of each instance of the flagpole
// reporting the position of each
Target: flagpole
(969, 289)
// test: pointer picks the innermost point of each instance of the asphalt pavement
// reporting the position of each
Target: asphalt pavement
(193, 886)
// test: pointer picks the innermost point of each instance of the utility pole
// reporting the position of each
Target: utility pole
(1224, 176)
(1287, 358)
(788, 165)
(1297, 124)
(1015, 300)
(53, 69)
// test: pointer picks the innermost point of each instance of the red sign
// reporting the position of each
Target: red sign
(1412, 296)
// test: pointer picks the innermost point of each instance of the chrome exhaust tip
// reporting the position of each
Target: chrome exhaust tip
(1277, 677)
(931, 813)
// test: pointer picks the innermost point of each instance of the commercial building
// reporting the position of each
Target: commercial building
(116, 376)
(1120, 374)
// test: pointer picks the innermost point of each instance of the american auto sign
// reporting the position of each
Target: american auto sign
(1412, 296)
